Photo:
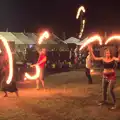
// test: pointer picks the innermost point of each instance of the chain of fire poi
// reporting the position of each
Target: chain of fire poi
(91, 40)
(81, 9)
(36, 75)
(10, 59)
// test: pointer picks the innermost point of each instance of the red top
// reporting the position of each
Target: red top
(41, 57)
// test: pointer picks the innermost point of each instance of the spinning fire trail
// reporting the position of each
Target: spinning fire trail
(80, 10)
(112, 38)
(10, 59)
(45, 35)
(91, 40)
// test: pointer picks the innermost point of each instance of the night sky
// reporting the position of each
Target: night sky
(59, 16)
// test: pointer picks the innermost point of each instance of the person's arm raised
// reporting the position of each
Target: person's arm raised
(93, 56)
(117, 58)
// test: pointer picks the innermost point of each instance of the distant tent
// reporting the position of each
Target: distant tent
(10, 37)
(31, 36)
(72, 40)
(82, 42)
(57, 39)
(24, 38)
(53, 42)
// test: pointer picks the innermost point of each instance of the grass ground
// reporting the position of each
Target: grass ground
(67, 97)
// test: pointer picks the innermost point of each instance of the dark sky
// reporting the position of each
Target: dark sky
(59, 15)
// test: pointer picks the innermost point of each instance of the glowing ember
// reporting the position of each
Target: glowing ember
(112, 38)
(44, 35)
(90, 40)
(25, 78)
(34, 76)
(10, 59)
(91, 70)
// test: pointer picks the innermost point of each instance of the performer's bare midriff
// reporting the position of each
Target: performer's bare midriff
(109, 74)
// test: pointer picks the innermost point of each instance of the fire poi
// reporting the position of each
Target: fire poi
(36, 75)
(91, 40)
(112, 38)
(81, 9)
(10, 59)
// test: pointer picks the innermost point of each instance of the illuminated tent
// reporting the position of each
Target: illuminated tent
(72, 40)
(24, 38)
(31, 36)
(82, 42)
(10, 37)
(53, 42)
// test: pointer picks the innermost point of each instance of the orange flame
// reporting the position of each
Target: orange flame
(10, 59)
(81, 8)
(37, 74)
(92, 39)
(34, 76)
(112, 38)
(44, 35)
(82, 29)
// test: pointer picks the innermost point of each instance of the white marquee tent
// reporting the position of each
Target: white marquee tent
(72, 40)
(24, 38)
(31, 36)
(10, 37)
(82, 42)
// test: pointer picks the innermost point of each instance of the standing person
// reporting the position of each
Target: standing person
(71, 56)
(109, 75)
(76, 51)
(12, 86)
(41, 62)
(88, 67)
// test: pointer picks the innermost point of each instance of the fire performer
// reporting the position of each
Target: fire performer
(41, 62)
(88, 67)
(109, 75)
(12, 86)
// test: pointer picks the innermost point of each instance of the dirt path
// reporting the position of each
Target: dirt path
(68, 97)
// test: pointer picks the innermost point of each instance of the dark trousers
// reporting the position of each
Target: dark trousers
(88, 76)
(108, 84)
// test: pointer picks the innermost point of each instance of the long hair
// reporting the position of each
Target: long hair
(108, 49)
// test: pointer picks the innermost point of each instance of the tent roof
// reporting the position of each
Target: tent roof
(31, 36)
(57, 39)
(10, 37)
(72, 40)
(23, 38)
(83, 41)
(53, 39)
(49, 41)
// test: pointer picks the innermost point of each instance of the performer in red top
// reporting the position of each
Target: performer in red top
(41, 62)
